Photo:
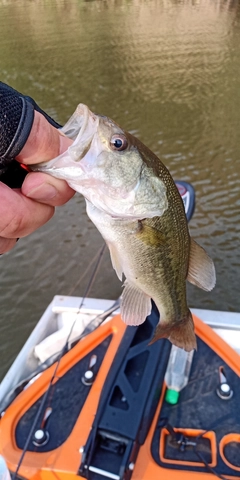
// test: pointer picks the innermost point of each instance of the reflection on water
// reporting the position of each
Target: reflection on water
(169, 72)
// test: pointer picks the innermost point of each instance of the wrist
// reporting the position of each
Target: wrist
(16, 120)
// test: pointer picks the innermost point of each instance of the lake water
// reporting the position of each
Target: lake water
(167, 71)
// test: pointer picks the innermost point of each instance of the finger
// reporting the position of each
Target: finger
(19, 215)
(46, 189)
(6, 244)
(44, 142)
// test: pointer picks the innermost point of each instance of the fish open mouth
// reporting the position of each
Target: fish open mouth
(81, 127)
(80, 122)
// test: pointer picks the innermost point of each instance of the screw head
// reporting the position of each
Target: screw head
(40, 437)
(224, 391)
(88, 378)
(88, 374)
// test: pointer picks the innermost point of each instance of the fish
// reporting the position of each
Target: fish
(133, 201)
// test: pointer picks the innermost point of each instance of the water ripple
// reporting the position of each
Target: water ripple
(168, 72)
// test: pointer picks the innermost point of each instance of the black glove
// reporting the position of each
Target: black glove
(16, 119)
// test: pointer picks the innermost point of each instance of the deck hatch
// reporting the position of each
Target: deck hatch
(67, 397)
(200, 407)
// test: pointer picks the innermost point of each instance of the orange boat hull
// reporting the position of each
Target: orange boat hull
(63, 462)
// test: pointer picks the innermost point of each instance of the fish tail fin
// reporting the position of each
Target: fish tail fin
(180, 334)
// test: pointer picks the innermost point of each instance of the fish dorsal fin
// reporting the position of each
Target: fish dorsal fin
(201, 270)
(116, 262)
(135, 305)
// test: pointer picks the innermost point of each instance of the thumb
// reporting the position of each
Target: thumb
(44, 142)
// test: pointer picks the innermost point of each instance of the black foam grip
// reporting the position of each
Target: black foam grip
(16, 119)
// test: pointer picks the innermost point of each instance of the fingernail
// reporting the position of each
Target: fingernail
(16, 242)
(43, 192)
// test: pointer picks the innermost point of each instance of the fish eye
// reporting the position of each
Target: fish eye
(118, 142)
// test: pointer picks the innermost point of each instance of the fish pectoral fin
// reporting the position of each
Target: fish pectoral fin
(149, 235)
(201, 270)
(115, 259)
(179, 333)
(135, 305)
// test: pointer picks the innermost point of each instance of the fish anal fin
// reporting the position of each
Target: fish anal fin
(201, 270)
(135, 305)
(115, 259)
(180, 333)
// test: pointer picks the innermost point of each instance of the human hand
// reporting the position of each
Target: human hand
(24, 210)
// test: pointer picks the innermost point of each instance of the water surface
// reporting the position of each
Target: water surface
(169, 72)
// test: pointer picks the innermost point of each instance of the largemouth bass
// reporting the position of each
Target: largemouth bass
(135, 204)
